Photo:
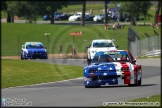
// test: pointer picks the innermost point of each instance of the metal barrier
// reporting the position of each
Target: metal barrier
(149, 46)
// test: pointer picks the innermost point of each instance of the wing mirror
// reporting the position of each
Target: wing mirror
(134, 60)
(117, 46)
(23, 46)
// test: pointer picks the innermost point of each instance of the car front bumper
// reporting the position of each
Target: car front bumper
(36, 55)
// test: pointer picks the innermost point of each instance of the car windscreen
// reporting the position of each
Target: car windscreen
(34, 45)
(116, 56)
(102, 44)
(102, 58)
(119, 56)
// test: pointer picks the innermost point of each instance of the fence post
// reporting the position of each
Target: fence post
(157, 39)
(148, 41)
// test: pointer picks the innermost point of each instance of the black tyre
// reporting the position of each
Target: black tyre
(88, 86)
(136, 82)
(139, 82)
(22, 57)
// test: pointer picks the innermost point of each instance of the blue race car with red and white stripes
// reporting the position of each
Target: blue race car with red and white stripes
(116, 67)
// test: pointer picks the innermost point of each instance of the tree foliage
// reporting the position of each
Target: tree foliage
(3, 5)
(50, 7)
(135, 8)
(32, 9)
(158, 8)
(83, 13)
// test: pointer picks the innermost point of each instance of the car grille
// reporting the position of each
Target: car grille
(37, 52)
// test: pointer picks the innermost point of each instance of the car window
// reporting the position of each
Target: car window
(103, 44)
(102, 58)
(120, 56)
(34, 45)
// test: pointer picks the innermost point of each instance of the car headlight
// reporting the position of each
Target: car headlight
(26, 51)
(124, 68)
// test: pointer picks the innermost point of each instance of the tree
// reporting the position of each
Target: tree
(28, 9)
(51, 7)
(11, 8)
(105, 5)
(3, 5)
(83, 13)
(135, 8)
(158, 7)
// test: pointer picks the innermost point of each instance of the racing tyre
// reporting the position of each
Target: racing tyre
(88, 86)
(22, 57)
(139, 82)
(136, 82)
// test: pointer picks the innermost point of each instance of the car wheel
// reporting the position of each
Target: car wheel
(136, 82)
(97, 86)
(22, 57)
(88, 86)
(78, 19)
(139, 82)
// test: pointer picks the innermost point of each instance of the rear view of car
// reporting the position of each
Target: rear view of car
(33, 50)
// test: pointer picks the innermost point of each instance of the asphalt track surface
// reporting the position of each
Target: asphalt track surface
(73, 93)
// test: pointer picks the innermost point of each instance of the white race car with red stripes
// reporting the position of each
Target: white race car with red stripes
(117, 67)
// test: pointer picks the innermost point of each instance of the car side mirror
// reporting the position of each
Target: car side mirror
(117, 46)
(23, 46)
(134, 60)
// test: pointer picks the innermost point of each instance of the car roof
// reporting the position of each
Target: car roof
(35, 43)
(101, 39)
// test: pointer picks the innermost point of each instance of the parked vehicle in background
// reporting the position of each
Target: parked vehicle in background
(48, 17)
(99, 17)
(75, 17)
(63, 16)
(78, 16)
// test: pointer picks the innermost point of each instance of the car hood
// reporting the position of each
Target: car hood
(111, 66)
(36, 50)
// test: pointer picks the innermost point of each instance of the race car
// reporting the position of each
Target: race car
(99, 45)
(116, 67)
(33, 50)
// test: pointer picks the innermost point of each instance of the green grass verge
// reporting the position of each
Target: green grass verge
(144, 57)
(19, 73)
(60, 34)
(155, 100)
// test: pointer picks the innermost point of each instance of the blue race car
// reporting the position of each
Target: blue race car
(117, 67)
(33, 50)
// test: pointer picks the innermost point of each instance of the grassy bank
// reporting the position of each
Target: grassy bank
(19, 73)
(14, 35)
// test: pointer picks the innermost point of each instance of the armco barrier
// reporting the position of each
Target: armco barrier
(152, 53)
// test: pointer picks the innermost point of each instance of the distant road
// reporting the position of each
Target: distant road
(71, 22)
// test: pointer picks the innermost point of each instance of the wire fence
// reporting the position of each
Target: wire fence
(139, 46)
